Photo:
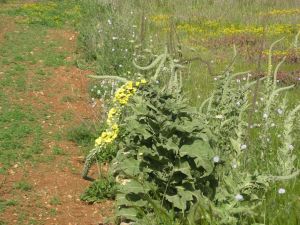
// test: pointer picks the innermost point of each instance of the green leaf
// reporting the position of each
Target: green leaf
(129, 200)
(128, 213)
(202, 154)
(180, 200)
(133, 186)
(128, 166)
(183, 167)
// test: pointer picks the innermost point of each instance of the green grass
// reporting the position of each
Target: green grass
(23, 186)
(24, 51)
(30, 52)
(48, 13)
(7, 203)
(83, 135)
(55, 201)
(58, 151)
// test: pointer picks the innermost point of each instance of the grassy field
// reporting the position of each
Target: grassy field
(41, 105)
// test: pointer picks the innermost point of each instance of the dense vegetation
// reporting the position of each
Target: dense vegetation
(191, 161)
(201, 105)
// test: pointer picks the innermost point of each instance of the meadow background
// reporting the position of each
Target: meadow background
(110, 35)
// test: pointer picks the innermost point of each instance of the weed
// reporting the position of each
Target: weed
(83, 134)
(55, 201)
(6, 203)
(101, 189)
(68, 99)
(58, 151)
(67, 115)
(53, 212)
(23, 186)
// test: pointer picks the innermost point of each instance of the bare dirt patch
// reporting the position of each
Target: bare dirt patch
(6, 25)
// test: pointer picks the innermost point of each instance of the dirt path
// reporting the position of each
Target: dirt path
(55, 181)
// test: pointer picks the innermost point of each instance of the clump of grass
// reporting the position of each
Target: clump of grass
(6, 203)
(55, 201)
(58, 151)
(83, 135)
(23, 186)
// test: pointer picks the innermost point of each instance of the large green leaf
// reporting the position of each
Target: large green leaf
(181, 199)
(128, 213)
(128, 166)
(133, 186)
(184, 168)
(202, 154)
(130, 200)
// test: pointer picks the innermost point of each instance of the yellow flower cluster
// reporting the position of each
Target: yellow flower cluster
(108, 136)
(278, 12)
(244, 30)
(276, 29)
(213, 28)
(126, 91)
(281, 53)
(160, 18)
(39, 7)
(113, 112)
(121, 98)
(190, 28)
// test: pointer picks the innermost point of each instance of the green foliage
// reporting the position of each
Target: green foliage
(58, 151)
(23, 186)
(248, 153)
(101, 189)
(18, 125)
(83, 135)
(49, 13)
(103, 90)
(55, 200)
(191, 162)
(6, 203)
(165, 152)
(108, 39)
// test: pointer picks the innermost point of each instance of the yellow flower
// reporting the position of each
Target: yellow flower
(137, 83)
(115, 127)
(111, 114)
(143, 81)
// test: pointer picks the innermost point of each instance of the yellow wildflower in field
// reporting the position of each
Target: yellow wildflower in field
(125, 92)
(243, 30)
(160, 18)
(111, 115)
(278, 12)
(122, 97)
(108, 136)
(276, 29)
(39, 7)
(190, 28)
